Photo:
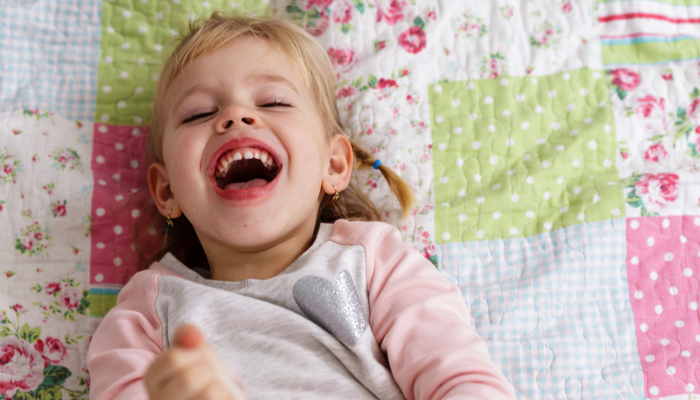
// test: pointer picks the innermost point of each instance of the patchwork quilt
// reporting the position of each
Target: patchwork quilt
(553, 147)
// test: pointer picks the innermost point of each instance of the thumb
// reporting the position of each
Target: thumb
(188, 336)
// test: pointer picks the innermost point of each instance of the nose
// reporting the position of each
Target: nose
(236, 117)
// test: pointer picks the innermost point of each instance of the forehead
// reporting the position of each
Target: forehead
(241, 59)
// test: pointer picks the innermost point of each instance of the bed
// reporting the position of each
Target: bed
(553, 148)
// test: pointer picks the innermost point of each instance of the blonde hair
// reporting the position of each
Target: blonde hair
(318, 75)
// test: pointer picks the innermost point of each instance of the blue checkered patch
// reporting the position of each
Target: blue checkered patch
(554, 310)
(49, 52)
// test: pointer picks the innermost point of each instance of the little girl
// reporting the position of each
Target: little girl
(275, 280)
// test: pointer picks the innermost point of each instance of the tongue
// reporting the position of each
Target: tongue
(246, 185)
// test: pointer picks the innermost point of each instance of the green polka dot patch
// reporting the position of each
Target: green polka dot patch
(136, 34)
(521, 156)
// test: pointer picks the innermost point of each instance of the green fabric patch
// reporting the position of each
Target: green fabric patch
(101, 303)
(136, 38)
(651, 53)
(521, 156)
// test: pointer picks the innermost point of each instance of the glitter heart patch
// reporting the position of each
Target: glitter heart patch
(334, 307)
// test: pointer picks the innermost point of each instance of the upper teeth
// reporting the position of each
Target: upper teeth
(239, 154)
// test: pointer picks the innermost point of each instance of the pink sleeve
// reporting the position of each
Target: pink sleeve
(421, 322)
(127, 340)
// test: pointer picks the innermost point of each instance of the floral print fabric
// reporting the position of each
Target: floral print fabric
(658, 133)
(45, 198)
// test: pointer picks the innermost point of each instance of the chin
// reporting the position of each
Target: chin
(256, 230)
(250, 239)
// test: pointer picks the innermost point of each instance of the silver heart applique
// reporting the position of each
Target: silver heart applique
(334, 307)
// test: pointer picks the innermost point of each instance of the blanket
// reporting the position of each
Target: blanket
(553, 147)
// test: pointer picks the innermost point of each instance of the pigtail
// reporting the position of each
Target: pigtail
(397, 185)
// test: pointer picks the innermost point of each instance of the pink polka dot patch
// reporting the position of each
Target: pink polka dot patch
(119, 168)
(663, 269)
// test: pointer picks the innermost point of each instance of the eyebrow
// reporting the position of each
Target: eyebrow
(196, 88)
(250, 79)
(271, 78)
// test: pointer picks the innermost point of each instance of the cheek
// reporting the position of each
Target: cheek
(312, 158)
(183, 160)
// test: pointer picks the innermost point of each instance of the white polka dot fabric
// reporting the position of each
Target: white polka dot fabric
(120, 192)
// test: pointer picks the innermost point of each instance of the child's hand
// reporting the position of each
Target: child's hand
(190, 370)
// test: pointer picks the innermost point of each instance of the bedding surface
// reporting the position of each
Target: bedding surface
(553, 147)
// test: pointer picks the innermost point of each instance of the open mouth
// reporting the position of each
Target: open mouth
(244, 168)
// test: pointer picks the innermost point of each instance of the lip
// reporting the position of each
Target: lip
(249, 193)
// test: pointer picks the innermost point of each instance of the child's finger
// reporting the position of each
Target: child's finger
(220, 390)
(187, 336)
(170, 364)
(188, 384)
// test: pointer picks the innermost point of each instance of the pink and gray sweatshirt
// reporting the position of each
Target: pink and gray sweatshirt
(359, 315)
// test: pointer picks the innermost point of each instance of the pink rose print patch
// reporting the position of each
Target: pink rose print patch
(652, 193)
(624, 81)
(21, 367)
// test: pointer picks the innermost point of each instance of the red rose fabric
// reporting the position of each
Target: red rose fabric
(391, 13)
(413, 39)
(342, 11)
(655, 153)
(658, 191)
(21, 366)
(625, 79)
(342, 59)
(53, 351)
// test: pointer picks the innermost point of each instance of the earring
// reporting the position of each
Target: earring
(336, 194)
(168, 220)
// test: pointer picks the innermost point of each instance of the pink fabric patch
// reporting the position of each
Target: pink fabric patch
(663, 269)
(119, 168)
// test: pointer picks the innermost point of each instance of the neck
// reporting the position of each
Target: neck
(235, 265)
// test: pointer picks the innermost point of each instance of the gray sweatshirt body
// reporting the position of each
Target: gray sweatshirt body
(303, 334)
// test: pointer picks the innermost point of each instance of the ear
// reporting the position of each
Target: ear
(159, 186)
(340, 166)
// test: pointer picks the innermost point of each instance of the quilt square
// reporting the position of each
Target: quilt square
(657, 115)
(554, 310)
(648, 32)
(492, 39)
(520, 156)
(663, 255)
(119, 168)
(46, 188)
(49, 52)
(45, 194)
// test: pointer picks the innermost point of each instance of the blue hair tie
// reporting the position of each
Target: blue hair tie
(376, 165)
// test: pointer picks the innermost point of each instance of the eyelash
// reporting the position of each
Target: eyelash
(274, 103)
(197, 116)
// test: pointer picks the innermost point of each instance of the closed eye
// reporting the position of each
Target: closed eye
(276, 103)
(198, 116)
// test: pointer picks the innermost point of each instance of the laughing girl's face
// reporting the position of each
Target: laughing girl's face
(244, 148)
